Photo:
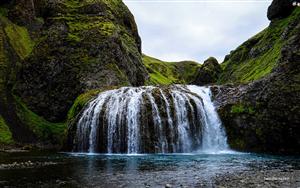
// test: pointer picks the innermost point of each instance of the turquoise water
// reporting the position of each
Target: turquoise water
(95, 170)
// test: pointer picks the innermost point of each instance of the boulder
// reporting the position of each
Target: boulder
(280, 9)
(208, 73)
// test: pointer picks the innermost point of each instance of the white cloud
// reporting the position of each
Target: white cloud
(178, 30)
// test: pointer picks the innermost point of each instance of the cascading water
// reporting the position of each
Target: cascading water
(150, 119)
(214, 137)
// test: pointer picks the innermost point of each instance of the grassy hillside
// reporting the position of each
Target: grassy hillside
(165, 73)
(257, 57)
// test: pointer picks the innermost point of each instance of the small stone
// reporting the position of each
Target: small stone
(168, 185)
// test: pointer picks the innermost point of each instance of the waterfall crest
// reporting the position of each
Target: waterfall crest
(150, 119)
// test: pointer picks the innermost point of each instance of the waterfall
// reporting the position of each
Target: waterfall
(214, 137)
(148, 119)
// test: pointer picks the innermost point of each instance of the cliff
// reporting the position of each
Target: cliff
(53, 51)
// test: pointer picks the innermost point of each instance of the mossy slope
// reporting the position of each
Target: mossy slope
(257, 57)
(165, 73)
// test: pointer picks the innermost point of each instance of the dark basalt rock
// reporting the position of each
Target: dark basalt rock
(4, 2)
(280, 9)
(208, 73)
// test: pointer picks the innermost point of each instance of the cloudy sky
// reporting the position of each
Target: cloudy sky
(175, 30)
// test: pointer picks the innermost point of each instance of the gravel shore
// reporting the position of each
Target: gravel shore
(263, 178)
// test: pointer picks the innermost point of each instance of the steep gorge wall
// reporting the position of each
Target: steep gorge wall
(53, 51)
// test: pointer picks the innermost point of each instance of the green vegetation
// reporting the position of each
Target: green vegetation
(160, 72)
(187, 70)
(83, 99)
(257, 57)
(19, 38)
(3, 11)
(5, 134)
(241, 108)
(118, 73)
(165, 73)
(105, 28)
(73, 38)
(46, 131)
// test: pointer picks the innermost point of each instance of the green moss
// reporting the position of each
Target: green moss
(43, 129)
(83, 99)
(241, 108)
(165, 73)
(3, 11)
(105, 28)
(73, 38)
(119, 74)
(187, 70)
(19, 38)
(129, 43)
(5, 133)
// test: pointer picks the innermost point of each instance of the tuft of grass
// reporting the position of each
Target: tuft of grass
(5, 133)
(73, 38)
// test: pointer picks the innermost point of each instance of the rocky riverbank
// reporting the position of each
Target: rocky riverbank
(262, 178)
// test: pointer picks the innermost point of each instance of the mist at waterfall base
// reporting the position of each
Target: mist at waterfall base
(134, 120)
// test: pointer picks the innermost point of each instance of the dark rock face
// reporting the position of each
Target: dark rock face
(3, 2)
(264, 116)
(23, 12)
(280, 9)
(82, 46)
(208, 73)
